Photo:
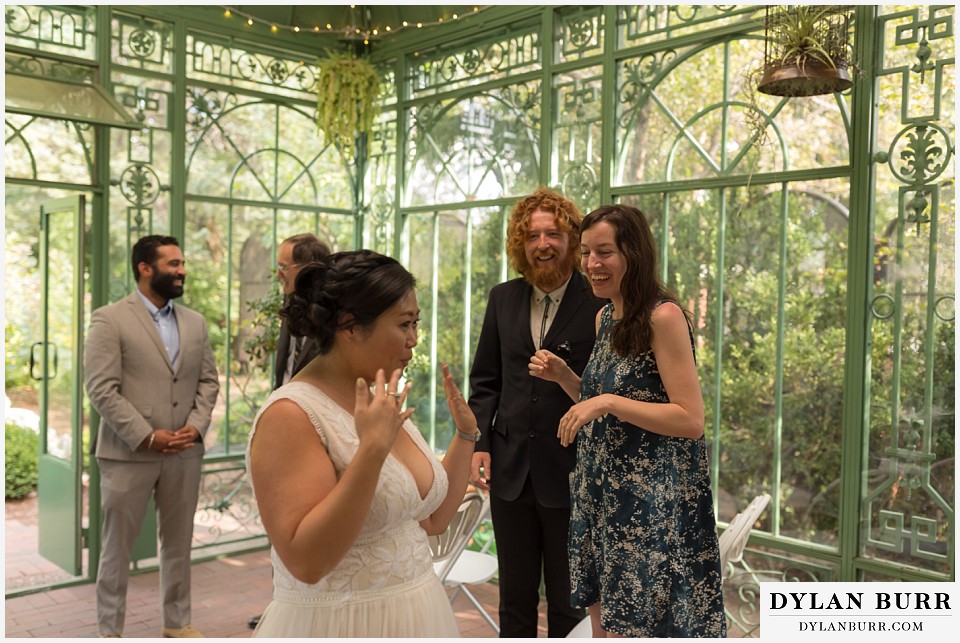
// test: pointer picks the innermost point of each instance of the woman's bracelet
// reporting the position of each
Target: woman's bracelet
(469, 437)
(150, 443)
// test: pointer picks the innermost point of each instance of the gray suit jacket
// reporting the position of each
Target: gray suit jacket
(133, 386)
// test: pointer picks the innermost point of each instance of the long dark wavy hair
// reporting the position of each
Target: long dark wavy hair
(641, 286)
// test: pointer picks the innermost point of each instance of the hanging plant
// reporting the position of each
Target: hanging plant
(807, 50)
(347, 93)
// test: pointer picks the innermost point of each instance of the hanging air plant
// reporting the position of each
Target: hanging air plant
(347, 91)
(807, 50)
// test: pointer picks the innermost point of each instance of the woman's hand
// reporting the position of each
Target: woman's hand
(378, 416)
(547, 366)
(463, 417)
(579, 415)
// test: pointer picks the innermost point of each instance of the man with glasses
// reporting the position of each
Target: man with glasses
(293, 353)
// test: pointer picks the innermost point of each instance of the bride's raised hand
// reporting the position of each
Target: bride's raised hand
(463, 417)
(378, 415)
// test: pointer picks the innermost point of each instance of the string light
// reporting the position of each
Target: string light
(350, 31)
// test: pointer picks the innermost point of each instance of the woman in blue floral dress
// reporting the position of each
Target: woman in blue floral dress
(643, 540)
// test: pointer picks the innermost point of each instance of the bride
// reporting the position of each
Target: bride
(348, 490)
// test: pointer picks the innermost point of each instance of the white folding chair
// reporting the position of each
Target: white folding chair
(582, 630)
(733, 540)
(734, 537)
(454, 564)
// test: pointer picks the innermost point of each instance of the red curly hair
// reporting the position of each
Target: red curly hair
(568, 221)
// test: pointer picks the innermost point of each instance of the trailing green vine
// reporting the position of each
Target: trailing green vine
(347, 99)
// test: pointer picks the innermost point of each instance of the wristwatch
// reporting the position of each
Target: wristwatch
(469, 437)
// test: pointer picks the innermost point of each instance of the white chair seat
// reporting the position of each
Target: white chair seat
(583, 630)
(459, 567)
(471, 567)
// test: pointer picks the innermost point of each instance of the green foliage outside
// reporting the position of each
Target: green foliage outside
(21, 454)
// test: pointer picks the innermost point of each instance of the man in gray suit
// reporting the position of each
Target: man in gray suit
(151, 376)
(293, 353)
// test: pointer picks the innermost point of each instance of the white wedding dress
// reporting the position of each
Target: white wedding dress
(385, 586)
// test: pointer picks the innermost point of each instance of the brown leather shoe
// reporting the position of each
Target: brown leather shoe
(185, 632)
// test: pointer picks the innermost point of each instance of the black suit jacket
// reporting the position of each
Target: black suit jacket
(284, 345)
(517, 413)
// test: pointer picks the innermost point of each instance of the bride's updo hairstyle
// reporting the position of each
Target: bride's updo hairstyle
(342, 291)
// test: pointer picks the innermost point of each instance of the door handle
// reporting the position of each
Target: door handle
(33, 362)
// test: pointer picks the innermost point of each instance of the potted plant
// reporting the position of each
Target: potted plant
(806, 51)
(347, 93)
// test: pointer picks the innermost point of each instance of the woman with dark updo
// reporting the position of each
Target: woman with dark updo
(348, 489)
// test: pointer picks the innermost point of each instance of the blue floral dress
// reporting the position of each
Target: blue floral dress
(643, 539)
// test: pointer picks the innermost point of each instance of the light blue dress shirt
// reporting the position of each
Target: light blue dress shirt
(166, 321)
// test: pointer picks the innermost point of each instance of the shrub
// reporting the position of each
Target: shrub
(20, 458)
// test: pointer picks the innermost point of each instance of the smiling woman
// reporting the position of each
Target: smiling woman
(348, 489)
(643, 547)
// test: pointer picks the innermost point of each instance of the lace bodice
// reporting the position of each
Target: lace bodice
(392, 548)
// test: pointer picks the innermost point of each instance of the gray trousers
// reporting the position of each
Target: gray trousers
(125, 489)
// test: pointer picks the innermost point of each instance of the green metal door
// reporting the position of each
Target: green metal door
(56, 363)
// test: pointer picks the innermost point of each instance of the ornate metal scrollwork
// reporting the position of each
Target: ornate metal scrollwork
(918, 155)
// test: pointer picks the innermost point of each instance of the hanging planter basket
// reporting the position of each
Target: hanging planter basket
(806, 50)
(347, 99)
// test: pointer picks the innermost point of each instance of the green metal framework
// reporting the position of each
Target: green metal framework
(811, 238)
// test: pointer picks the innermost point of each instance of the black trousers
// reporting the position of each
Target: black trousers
(532, 539)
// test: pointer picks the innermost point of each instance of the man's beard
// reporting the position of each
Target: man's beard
(163, 285)
(548, 277)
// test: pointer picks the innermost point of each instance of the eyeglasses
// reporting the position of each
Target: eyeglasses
(284, 268)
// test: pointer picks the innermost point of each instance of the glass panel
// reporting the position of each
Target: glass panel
(457, 257)
(667, 133)
(279, 73)
(579, 33)
(782, 251)
(62, 365)
(142, 43)
(647, 23)
(577, 135)
(482, 146)
(813, 360)
(908, 506)
(225, 270)
(443, 70)
(148, 98)
(267, 152)
(61, 30)
(381, 184)
(335, 230)
(48, 150)
(59, 99)
(47, 68)
(21, 292)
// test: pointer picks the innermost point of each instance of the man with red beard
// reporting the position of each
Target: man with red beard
(519, 458)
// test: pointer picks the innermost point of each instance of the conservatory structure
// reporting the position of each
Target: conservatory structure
(811, 236)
